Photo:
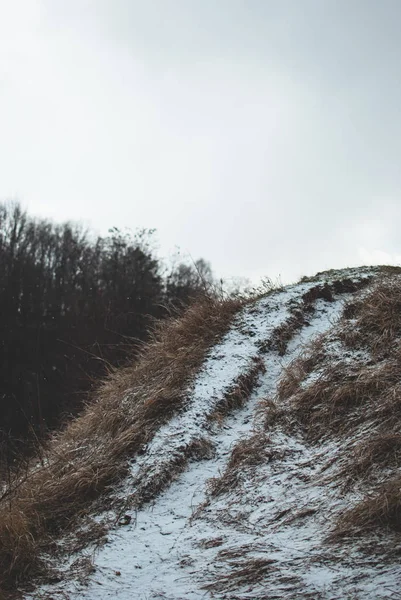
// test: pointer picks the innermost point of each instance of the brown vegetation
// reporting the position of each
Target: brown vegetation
(355, 395)
(302, 311)
(146, 491)
(382, 508)
(299, 317)
(244, 571)
(377, 319)
(325, 393)
(73, 304)
(341, 398)
(201, 448)
(241, 390)
(299, 369)
(249, 452)
(380, 449)
(256, 449)
(88, 457)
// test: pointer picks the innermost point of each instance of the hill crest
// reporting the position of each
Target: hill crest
(260, 456)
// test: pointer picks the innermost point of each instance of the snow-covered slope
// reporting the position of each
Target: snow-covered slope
(227, 501)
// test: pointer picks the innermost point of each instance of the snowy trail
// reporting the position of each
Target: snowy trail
(161, 552)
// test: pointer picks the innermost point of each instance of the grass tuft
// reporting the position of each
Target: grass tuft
(382, 508)
(243, 572)
(249, 452)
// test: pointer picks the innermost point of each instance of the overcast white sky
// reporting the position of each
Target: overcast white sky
(262, 135)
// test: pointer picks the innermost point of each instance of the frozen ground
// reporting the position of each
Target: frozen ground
(262, 538)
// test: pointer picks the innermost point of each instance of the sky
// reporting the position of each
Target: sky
(261, 135)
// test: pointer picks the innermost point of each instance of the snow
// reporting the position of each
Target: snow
(186, 538)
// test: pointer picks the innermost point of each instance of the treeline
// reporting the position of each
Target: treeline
(71, 305)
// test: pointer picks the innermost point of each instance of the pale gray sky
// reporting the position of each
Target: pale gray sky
(262, 135)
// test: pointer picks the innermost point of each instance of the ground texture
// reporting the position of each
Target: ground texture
(252, 489)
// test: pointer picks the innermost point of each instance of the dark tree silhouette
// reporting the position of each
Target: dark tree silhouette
(186, 281)
(70, 305)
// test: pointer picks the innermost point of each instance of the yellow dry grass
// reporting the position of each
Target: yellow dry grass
(89, 456)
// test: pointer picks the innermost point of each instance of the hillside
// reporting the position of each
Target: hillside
(254, 452)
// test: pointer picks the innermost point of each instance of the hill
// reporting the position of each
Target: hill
(253, 452)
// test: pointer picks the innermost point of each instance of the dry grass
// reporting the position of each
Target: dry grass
(343, 392)
(248, 571)
(249, 452)
(381, 449)
(382, 508)
(199, 449)
(236, 396)
(356, 397)
(343, 397)
(211, 543)
(315, 353)
(301, 311)
(377, 319)
(88, 457)
(299, 369)
(299, 317)
(256, 449)
(268, 413)
(356, 272)
(84, 462)
(284, 334)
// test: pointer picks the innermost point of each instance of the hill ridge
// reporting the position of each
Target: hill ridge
(237, 493)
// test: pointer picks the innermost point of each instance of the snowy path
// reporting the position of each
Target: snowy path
(155, 555)
(185, 539)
